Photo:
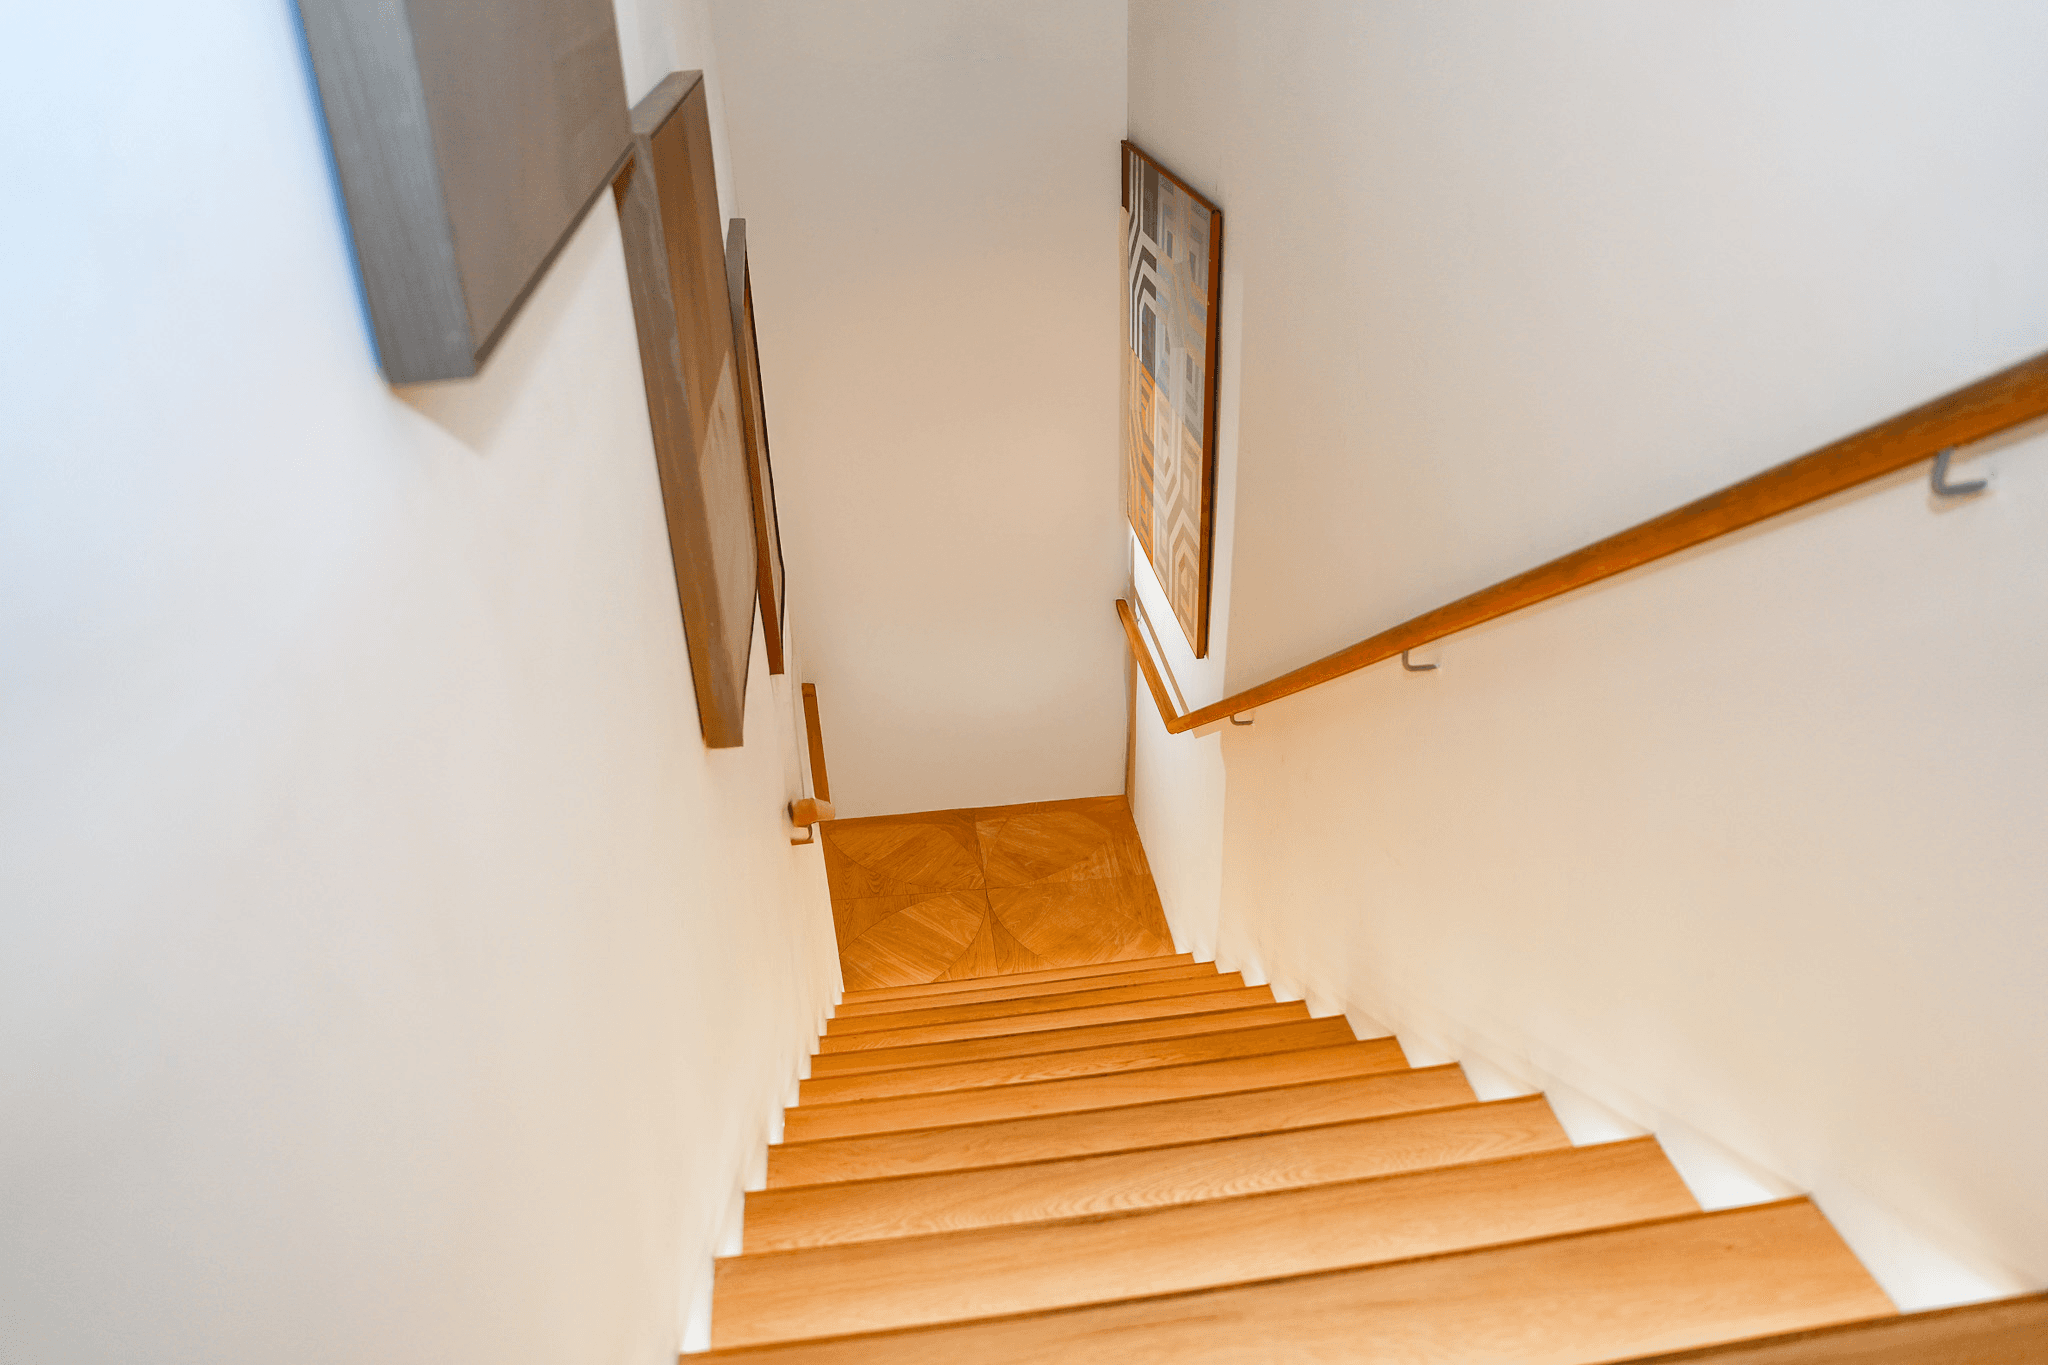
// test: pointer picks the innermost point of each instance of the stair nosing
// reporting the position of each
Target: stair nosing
(1041, 1014)
(1062, 1052)
(1141, 1104)
(1114, 1215)
(948, 999)
(1136, 964)
(834, 1105)
(1241, 985)
(827, 1110)
(1152, 1147)
(1199, 1014)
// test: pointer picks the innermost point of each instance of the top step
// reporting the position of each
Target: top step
(994, 988)
(1138, 964)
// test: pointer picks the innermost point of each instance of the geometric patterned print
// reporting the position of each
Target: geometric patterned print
(1167, 247)
(1140, 397)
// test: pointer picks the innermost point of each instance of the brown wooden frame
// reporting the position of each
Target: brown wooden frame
(1994, 404)
(465, 163)
(675, 267)
(739, 287)
(1212, 370)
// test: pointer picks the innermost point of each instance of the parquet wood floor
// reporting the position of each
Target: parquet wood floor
(960, 894)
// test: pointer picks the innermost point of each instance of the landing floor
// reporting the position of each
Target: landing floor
(942, 895)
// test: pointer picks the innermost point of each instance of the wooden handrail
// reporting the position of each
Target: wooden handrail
(1146, 665)
(814, 733)
(1991, 405)
(804, 814)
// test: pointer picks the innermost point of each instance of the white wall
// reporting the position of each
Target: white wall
(931, 195)
(1178, 783)
(1520, 275)
(1745, 848)
(387, 972)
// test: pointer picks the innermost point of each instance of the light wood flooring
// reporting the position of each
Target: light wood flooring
(995, 892)
(1143, 1160)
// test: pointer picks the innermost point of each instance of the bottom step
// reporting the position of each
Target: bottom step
(1571, 1300)
(1041, 1267)
(2003, 1332)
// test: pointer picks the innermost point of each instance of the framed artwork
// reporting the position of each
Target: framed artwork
(1173, 282)
(739, 287)
(470, 140)
(675, 269)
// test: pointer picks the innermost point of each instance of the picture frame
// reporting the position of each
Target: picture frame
(739, 287)
(469, 140)
(1172, 301)
(675, 269)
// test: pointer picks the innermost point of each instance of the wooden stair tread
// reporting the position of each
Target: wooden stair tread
(1145, 1160)
(1117, 1182)
(806, 1123)
(2001, 1332)
(1569, 1300)
(1125, 1128)
(989, 1272)
(1056, 1040)
(1051, 1066)
(1043, 974)
(986, 989)
(941, 1013)
(1079, 1017)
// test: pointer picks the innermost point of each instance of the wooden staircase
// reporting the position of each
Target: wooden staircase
(1152, 1162)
